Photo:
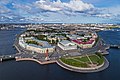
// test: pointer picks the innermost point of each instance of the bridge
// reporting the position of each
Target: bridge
(114, 46)
(8, 57)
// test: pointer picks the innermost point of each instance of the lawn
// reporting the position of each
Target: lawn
(73, 62)
(32, 42)
(40, 37)
(94, 58)
(83, 61)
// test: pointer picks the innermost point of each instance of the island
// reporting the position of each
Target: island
(73, 49)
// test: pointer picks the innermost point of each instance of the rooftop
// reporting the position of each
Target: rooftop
(80, 41)
(66, 42)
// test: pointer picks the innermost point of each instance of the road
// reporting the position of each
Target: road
(57, 53)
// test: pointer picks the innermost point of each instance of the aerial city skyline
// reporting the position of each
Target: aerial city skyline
(59, 11)
(59, 39)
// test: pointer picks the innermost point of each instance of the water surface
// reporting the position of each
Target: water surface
(29, 70)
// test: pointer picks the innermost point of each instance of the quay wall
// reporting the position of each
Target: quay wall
(84, 70)
(31, 59)
(91, 68)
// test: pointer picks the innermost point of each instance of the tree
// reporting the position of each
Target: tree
(57, 41)
(53, 42)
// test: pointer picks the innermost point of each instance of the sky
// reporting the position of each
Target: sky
(60, 11)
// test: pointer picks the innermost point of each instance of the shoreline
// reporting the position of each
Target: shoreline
(84, 70)
(68, 67)
(35, 60)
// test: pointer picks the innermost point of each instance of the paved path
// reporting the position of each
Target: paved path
(89, 59)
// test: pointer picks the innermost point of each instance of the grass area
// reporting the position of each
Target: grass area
(32, 42)
(97, 59)
(40, 37)
(73, 62)
(101, 60)
(84, 59)
(94, 58)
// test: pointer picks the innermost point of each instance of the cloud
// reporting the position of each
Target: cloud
(55, 11)
(4, 9)
(21, 6)
(4, 1)
(78, 5)
(115, 10)
(104, 15)
(46, 5)
(109, 12)
(73, 5)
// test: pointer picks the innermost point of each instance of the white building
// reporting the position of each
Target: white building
(72, 36)
(42, 48)
(67, 45)
(39, 49)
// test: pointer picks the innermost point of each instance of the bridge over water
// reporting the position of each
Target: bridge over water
(8, 57)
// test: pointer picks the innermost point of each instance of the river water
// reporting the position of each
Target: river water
(28, 70)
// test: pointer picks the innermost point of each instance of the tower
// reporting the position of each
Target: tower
(46, 55)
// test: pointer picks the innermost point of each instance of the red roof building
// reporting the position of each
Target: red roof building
(83, 44)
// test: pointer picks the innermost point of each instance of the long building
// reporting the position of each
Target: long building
(42, 48)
